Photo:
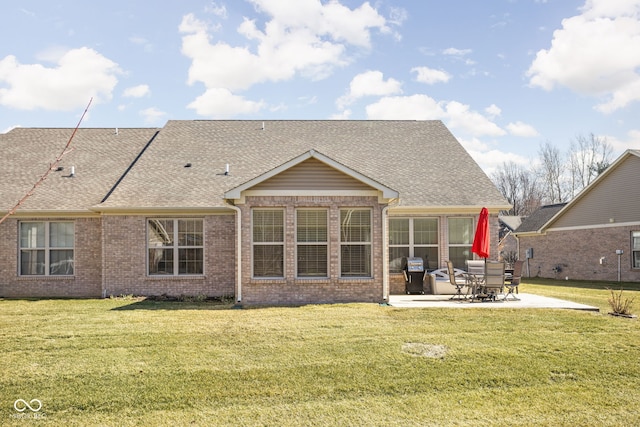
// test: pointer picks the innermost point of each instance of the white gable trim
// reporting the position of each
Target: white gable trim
(236, 193)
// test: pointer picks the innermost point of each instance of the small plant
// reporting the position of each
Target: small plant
(618, 304)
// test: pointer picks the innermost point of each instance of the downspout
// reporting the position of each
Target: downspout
(239, 251)
(385, 253)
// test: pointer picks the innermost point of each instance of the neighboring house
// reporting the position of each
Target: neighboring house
(273, 212)
(596, 236)
(507, 244)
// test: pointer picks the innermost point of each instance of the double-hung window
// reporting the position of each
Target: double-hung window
(413, 237)
(355, 243)
(312, 243)
(635, 249)
(460, 241)
(175, 247)
(46, 248)
(268, 242)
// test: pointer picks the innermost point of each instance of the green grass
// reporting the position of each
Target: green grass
(136, 362)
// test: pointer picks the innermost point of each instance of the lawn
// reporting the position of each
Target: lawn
(129, 361)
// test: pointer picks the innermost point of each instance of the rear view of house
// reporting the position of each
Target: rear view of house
(274, 212)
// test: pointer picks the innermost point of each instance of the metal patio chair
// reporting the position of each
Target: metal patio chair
(458, 282)
(513, 283)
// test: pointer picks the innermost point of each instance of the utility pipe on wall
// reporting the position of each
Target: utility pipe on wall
(238, 251)
(385, 256)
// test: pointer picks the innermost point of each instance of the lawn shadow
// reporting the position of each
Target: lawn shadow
(177, 303)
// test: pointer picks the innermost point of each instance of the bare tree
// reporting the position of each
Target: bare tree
(519, 186)
(589, 156)
(531, 194)
(551, 173)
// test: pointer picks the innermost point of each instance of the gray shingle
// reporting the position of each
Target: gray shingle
(420, 159)
(98, 155)
(539, 218)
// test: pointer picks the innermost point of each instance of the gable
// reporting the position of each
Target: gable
(613, 199)
(311, 175)
(296, 177)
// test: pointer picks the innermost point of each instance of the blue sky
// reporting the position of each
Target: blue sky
(503, 75)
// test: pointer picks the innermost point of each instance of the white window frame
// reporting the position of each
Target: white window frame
(368, 243)
(635, 249)
(312, 243)
(175, 246)
(412, 245)
(46, 248)
(468, 244)
(255, 244)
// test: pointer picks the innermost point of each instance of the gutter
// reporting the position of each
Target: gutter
(238, 252)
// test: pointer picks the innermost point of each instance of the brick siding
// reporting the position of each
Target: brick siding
(293, 291)
(125, 265)
(85, 283)
(578, 252)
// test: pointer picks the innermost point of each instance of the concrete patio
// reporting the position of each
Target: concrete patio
(444, 301)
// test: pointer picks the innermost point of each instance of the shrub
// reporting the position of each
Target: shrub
(618, 304)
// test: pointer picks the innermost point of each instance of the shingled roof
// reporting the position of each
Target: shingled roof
(138, 169)
(420, 159)
(99, 157)
(535, 221)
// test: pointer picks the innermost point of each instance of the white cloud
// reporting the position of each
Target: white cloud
(632, 141)
(491, 160)
(331, 20)
(221, 103)
(522, 129)
(493, 111)
(136, 91)
(152, 115)
(141, 41)
(452, 51)
(217, 10)
(369, 83)
(398, 15)
(414, 107)
(78, 75)
(304, 38)
(430, 76)
(342, 115)
(595, 54)
(422, 107)
(459, 116)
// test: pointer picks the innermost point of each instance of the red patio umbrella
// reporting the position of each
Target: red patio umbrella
(482, 240)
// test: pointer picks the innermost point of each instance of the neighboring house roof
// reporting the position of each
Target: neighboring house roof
(99, 157)
(421, 160)
(613, 198)
(610, 199)
(510, 221)
(145, 169)
(535, 221)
